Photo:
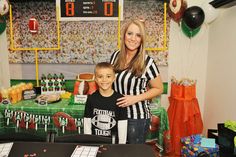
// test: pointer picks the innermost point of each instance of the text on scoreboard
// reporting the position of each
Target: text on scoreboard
(90, 9)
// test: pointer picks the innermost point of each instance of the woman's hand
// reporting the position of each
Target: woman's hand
(127, 100)
(155, 89)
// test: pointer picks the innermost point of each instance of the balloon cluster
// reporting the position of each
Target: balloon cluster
(191, 18)
(2, 24)
(4, 8)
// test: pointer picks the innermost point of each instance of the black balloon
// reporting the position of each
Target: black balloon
(193, 17)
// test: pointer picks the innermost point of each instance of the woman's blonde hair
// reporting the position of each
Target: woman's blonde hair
(137, 64)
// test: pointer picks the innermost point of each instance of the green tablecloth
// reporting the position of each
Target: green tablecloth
(54, 112)
(162, 135)
(32, 107)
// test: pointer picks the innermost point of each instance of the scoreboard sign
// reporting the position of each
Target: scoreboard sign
(85, 10)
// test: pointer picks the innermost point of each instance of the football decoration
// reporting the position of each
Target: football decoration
(20, 117)
(71, 122)
(155, 121)
(85, 76)
(103, 122)
(4, 7)
(176, 9)
(83, 88)
(33, 25)
(85, 84)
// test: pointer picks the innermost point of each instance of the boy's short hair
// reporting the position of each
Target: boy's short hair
(104, 65)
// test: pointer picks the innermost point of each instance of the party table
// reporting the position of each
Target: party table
(66, 149)
(29, 116)
(60, 118)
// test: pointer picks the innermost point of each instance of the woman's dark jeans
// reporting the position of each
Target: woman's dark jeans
(137, 130)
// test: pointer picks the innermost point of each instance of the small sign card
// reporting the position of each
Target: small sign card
(6, 101)
(80, 99)
(208, 142)
(29, 94)
(42, 102)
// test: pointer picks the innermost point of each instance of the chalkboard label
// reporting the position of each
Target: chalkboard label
(29, 94)
(42, 102)
(6, 101)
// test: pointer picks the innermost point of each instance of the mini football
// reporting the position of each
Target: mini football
(86, 76)
(4, 7)
(71, 122)
(83, 88)
(155, 121)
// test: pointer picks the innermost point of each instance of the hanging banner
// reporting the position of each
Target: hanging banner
(86, 10)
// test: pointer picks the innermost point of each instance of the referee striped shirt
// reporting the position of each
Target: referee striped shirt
(128, 84)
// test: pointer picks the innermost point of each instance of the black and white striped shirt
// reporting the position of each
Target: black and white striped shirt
(128, 84)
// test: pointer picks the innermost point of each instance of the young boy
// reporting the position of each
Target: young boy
(102, 116)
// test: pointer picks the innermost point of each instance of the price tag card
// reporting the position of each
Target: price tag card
(81, 99)
(29, 94)
(6, 101)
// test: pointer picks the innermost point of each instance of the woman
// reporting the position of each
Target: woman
(135, 71)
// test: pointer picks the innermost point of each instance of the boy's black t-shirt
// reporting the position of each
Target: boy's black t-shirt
(104, 113)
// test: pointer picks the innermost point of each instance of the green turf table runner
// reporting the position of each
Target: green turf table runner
(55, 111)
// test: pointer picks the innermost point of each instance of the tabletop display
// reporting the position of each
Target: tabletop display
(60, 112)
(29, 115)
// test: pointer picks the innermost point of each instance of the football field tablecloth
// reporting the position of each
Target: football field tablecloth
(54, 116)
